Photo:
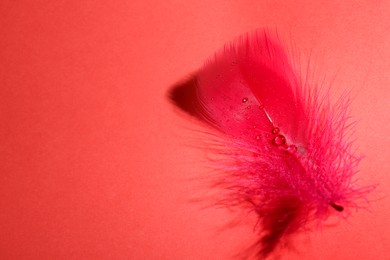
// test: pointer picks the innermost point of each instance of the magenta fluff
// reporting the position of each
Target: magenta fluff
(289, 159)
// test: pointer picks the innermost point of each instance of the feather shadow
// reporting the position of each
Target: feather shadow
(183, 96)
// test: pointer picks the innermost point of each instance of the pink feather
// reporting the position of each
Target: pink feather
(289, 159)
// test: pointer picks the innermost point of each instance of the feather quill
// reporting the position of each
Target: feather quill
(289, 158)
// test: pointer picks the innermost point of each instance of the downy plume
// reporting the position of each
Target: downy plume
(289, 160)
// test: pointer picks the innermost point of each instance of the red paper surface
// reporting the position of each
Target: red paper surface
(95, 163)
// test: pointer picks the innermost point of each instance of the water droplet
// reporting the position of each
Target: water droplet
(261, 106)
(276, 130)
(292, 149)
(280, 140)
(257, 137)
(244, 100)
(248, 107)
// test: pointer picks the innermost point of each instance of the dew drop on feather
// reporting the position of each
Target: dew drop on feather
(280, 140)
(276, 130)
(292, 148)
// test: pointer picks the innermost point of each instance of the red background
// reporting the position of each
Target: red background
(95, 162)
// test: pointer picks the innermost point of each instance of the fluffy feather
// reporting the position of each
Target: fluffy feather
(289, 159)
